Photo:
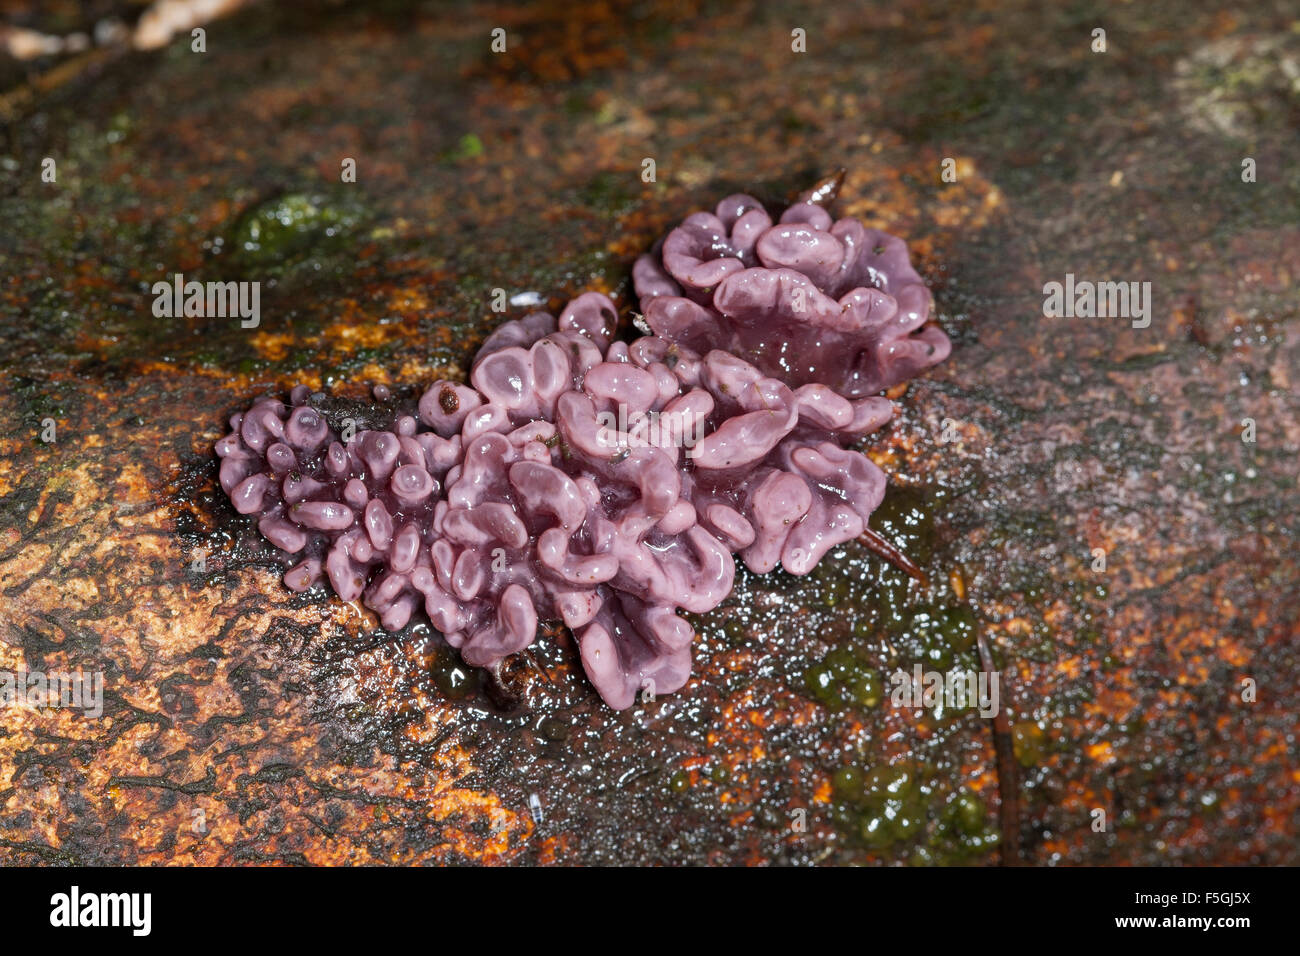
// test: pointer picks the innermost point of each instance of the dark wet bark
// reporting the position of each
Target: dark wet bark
(246, 724)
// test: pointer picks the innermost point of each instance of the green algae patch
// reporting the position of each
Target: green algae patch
(847, 677)
(906, 811)
(282, 230)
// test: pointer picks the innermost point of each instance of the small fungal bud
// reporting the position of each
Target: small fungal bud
(379, 524)
(303, 575)
(406, 547)
(356, 494)
(281, 459)
(297, 487)
(306, 429)
(283, 534)
(248, 496)
(322, 515)
(336, 461)
(412, 484)
(379, 451)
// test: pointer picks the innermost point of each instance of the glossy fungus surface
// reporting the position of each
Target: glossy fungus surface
(609, 484)
(804, 297)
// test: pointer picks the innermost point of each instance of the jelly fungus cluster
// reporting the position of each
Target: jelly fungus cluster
(604, 483)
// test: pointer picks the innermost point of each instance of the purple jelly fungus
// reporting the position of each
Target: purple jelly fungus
(805, 299)
(605, 484)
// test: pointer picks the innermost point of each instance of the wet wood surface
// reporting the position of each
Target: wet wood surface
(1078, 490)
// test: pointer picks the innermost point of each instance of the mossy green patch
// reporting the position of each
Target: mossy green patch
(276, 233)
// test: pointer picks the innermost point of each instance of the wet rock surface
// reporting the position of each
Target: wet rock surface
(246, 724)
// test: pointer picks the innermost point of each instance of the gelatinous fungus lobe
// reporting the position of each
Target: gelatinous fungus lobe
(805, 298)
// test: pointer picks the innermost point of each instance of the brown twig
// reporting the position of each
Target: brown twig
(1008, 776)
(885, 550)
